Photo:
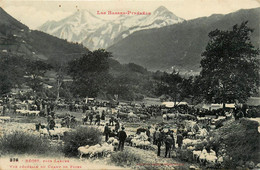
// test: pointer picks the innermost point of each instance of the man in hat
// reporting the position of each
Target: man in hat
(121, 136)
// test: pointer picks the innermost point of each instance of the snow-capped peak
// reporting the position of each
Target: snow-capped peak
(94, 32)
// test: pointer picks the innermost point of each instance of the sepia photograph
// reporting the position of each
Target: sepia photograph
(126, 84)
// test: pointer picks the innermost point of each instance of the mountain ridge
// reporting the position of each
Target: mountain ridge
(179, 46)
(100, 33)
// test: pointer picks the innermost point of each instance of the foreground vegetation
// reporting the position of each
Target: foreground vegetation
(19, 142)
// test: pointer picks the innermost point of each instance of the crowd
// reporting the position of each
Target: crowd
(93, 116)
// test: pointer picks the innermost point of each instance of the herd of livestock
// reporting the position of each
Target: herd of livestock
(191, 123)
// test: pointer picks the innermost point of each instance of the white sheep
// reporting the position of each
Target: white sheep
(220, 160)
(203, 155)
(196, 154)
(44, 132)
(190, 141)
(83, 150)
(211, 159)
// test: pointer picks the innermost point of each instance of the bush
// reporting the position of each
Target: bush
(125, 158)
(20, 143)
(185, 155)
(241, 140)
(80, 137)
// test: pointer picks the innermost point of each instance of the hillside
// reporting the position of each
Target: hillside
(179, 45)
(17, 38)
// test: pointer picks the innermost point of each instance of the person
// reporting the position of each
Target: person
(84, 108)
(111, 121)
(117, 126)
(121, 136)
(148, 133)
(85, 119)
(91, 118)
(97, 119)
(52, 114)
(169, 143)
(106, 131)
(159, 142)
(179, 140)
(155, 137)
(103, 115)
(52, 124)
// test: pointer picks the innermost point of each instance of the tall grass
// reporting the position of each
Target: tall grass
(125, 158)
(19, 142)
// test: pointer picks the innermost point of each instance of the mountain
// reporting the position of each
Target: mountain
(180, 45)
(16, 38)
(93, 32)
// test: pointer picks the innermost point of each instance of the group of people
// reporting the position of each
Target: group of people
(167, 138)
(120, 135)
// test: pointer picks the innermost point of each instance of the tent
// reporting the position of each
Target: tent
(215, 106)
(171, 104)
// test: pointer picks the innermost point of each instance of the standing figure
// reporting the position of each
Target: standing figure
(159, 142)
(103, 115)
(111, 121)
(106, 131)
(97, 119)
(179, 140)
(121, 136)
(169, 143)
(91, 117)
(117, 126)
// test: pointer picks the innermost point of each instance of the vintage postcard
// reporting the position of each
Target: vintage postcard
(125, 84)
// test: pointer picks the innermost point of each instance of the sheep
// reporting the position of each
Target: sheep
(58, 132)
(220, 160)
(132, 116)
(115, 144)
(44, 132)
(191, 148)
(164, 117)
(110, 140)
(5, 118)
(83, 150)
(96, 150)
(190, 141)
(211, 159)
(196, 154)
(202, 157)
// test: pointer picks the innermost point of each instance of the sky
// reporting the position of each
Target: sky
(34, 13)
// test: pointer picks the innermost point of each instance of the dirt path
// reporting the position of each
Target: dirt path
(150, 159)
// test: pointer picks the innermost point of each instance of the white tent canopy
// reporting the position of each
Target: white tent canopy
(215, 106)
(171, 104)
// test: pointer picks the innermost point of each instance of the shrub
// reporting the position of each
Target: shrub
(80, 137)
(185, 155)
(240, 139)
(125, 158)
(20, 142)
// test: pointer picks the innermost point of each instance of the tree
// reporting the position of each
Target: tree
(60, 70)
(171, 84)
(35, 72)
(89, 73)
(11, 72)
(230, 67)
